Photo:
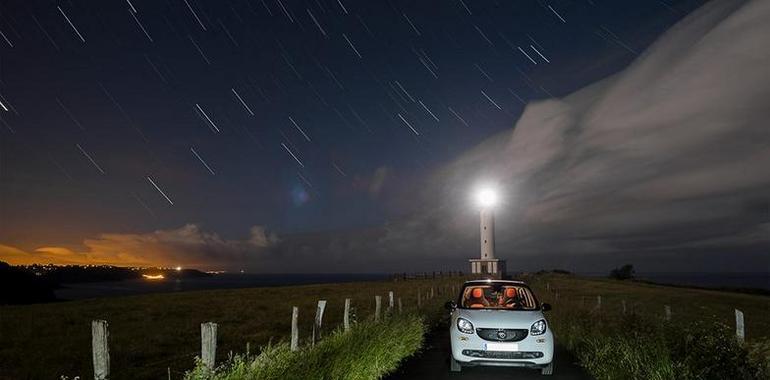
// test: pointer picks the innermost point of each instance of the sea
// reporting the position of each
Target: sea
(711, 280)
(247, 280)
(217, 281)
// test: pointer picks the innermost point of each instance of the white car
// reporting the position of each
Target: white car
(499, 323)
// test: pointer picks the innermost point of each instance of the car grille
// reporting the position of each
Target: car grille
(503, 354)
(502, 335)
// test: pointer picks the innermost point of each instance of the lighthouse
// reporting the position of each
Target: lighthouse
(487, 265)
(487, 234)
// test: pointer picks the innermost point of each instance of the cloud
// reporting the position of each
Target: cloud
(259, 237)
(59, 255)
(189, 246)
(670, 154)
(378, 180)
(15, 255)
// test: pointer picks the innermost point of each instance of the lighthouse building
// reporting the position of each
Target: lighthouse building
(487, 265)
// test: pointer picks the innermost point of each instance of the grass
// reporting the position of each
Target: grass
(150, 334)
(698, 342)
(368, 351)
(649, 300)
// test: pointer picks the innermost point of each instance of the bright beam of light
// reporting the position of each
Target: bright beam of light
(486, 197)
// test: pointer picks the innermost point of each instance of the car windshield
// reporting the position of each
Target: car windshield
(504, 296)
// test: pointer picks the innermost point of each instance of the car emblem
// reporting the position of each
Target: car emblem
(501, 334)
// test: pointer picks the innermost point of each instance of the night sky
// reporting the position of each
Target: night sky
(260, 134)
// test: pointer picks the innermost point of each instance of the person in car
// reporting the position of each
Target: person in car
(508, 298)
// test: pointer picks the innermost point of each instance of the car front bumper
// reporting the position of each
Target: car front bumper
(533, 351)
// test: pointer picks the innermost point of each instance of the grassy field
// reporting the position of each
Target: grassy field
(151, 333)
(698, 341)
(650, 300)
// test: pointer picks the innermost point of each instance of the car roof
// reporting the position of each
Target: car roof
(514, 282)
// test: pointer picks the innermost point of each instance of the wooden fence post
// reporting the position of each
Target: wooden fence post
(101, 350)
(346, 316)
(666, 312)
(740, 332)
(319, 315)
(400, 307)
(598, 302)
(294, 329)
(623, 303)
(209, 344)
(431, 293)
(377, 307)
(390, 300)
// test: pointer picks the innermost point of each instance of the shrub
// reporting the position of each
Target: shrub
(711, 351)
(638, 347)
(626, 272)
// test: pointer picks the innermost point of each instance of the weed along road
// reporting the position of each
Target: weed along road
(433, 363)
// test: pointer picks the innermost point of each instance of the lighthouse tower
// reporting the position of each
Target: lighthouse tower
(487, 234)
(487, 264)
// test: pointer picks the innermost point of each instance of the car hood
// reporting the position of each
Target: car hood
(517, 319)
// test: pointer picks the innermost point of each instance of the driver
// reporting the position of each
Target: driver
(508, 298)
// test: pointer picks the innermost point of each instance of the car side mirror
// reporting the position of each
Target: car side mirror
(545, 307)
(450, 305)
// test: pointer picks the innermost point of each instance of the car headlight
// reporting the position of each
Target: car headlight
(538, 328)
(464, 325)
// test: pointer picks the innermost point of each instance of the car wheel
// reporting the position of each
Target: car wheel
(454, 365)
(547, 370)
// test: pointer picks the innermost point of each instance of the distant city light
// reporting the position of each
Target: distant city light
(178, 269)
(153, 276)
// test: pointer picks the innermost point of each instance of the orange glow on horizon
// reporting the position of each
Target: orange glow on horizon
(153, 276)
(97, 256)
(53, 255)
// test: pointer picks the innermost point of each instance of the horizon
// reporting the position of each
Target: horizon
(216, 271)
